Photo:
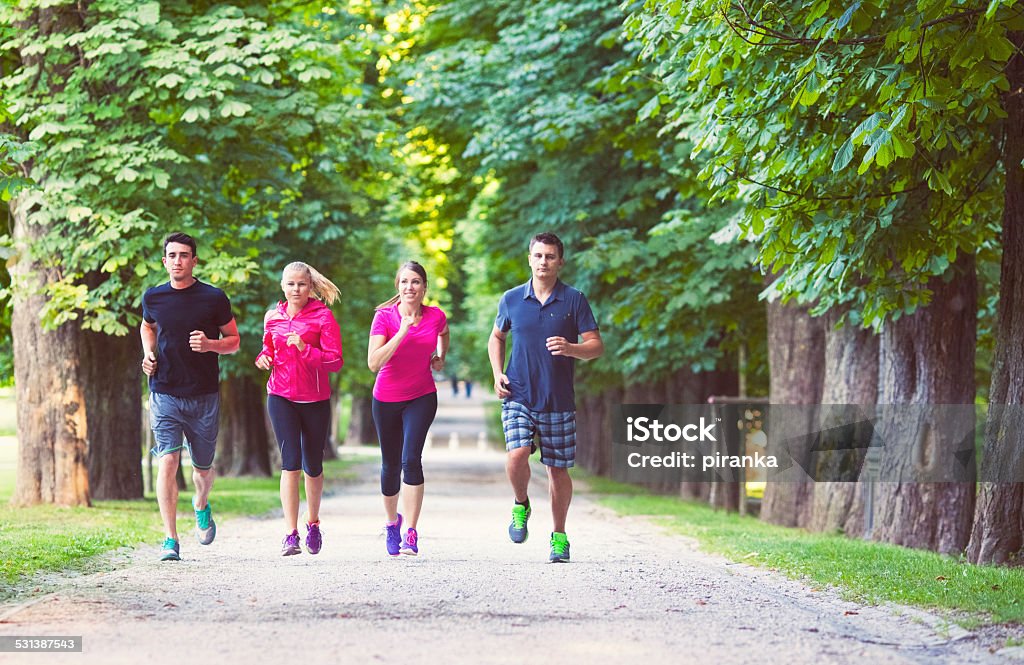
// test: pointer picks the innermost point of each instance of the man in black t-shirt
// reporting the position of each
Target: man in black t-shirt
(185, 325)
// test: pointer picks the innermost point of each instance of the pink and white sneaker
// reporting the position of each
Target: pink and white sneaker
(409, 543)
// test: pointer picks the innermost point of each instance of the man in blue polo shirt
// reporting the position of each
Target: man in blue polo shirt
(547, 318)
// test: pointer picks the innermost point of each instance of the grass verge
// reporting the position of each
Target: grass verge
(862, 571)
(38, 539)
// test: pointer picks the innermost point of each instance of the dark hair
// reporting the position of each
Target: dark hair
(548, 239)
(182, 238)
(408, 265)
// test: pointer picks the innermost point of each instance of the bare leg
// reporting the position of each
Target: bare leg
(290, 498)
(203, 480)
(560, 486)
(391, 508)
(412, 501)
(517, 466)
(167, 492)
(314, 492)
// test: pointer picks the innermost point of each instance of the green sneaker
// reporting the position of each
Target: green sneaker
(169, 552)
(206, 528)
(559, 548)
(517, 529)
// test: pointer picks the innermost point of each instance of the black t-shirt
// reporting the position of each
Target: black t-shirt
(180, 371)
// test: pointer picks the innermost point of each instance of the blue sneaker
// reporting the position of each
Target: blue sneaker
(170, 550)
(314, 539)
(517, 528)
(394, 536)
(206, 528)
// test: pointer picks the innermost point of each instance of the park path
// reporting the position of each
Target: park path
(632, 594)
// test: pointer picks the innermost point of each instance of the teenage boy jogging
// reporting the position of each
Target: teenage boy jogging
(185, 325)
(546, 318)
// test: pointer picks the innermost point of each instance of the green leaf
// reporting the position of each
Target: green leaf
(903, 148)
(126, 174)
(148, 13)
(234, 108)
(843, 156)
(847, 15)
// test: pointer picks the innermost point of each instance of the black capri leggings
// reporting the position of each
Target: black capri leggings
(301, 431)
(402, 430)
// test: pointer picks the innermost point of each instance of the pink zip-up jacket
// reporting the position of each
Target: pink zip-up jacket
(302, 377)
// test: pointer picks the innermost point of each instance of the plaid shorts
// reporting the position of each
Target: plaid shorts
(556, 431)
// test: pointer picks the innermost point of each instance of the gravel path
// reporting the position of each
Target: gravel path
(632, 594)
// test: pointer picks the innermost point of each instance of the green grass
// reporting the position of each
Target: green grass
(39, 539)
(863, 571)
(8, 467)
(8, 413)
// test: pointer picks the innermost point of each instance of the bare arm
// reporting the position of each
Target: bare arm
(591, 347)
(148, 332)
(228, 343)
(379, 352)
(443, 342)
(496, 354)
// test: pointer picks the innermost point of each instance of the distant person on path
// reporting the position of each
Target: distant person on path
(546, 318)
(301, 344)
(407, 340)
(186, 324)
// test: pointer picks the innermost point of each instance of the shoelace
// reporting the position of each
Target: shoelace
(558, 546)
(410, 538)
(519, 518)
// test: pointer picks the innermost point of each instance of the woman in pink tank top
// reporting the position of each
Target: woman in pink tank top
(408, 341)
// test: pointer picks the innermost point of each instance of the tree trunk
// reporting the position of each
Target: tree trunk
(998, 533)
(796, 364)
(360, 426)
(851, 377)
(927, 359)
(112, 387)
(52, 424)
(591, 420)
(688, 387)
(244, 447)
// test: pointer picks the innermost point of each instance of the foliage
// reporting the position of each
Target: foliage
(240, 124)
(862, 139)
(529, 113)
(13, 154)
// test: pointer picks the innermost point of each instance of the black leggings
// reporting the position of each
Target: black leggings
(402, 430)
(301, 430)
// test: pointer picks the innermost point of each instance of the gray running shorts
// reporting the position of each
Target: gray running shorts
(185, 421)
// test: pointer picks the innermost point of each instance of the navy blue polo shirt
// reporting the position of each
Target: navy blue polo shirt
(538, 380)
